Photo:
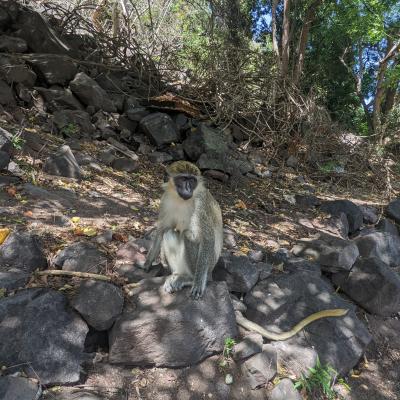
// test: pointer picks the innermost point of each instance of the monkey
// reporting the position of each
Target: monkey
(189, 232)
(189, 237)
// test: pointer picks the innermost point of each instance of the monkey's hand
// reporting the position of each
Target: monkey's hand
(198, 287)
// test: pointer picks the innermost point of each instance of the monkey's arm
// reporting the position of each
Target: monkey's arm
(154, 249)
(245, 323)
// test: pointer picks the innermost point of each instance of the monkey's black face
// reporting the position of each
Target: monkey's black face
(185, 185)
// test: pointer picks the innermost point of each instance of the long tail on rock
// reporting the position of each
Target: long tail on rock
(252, 326)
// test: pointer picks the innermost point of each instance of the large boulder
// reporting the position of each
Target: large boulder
(284, 390)
(88, 91)
(332, 253)
(42, 336)
(385, 225)
(393, 210)
(60, 99)
(63, 163)
(172, 330)
(352, 211)
(160, 129)
(382, 245)
(99, 303)
(18, 388)
(6, 94)
(73, 123)
(372, 285)
(12, 44)
(280, 302)
(239, 273)
(54, 69)
(204, 140)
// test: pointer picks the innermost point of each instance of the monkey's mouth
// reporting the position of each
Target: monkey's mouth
(185, 196)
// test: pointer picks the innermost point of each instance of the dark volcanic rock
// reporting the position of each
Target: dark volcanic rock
(73, 123)
(373, 285)
(172, 330)
(279, 303)
(352, 211)
(239, 273)
(41, 335)
(250, 345)
(385, 225)
(6, 94)
(393, 210)
(369, 214)
(332, 253)
(88, 91)
(81, 256)
(99, 303)
(60, 99)
(125, 164)
(13, 279)
(284, 390)
(4, 159)
(381, 245)
(12, 44)
(160, 128)
(63, 163)
(21, 251)
(17, 388)
(55, 69)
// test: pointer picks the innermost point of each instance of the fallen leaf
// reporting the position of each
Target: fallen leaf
(75, 220)
(120, 237)
(89, 231)
(28, 214)
(4, 232)
(244, 249)
(241, 205)
(12, 191)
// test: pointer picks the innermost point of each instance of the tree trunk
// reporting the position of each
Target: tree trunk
(273, 26)
(285, 38)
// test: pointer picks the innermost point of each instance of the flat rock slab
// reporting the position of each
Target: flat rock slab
(285, 390)
(280, 303)
(172, 330)
(373, 285)
(393, 210)
(41, 335)
(18, 388)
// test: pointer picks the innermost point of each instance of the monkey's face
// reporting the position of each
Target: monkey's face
(185, 185)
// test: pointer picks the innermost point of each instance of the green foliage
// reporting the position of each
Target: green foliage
(319, 383)
(17, 141)
(70, 130)
(228, 347)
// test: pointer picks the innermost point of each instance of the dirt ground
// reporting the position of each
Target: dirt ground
(257, 210)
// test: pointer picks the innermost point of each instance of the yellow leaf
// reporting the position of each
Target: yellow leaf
(75, 220)
(244, 249)
(4, 232)
(240, 204)
(89, 231)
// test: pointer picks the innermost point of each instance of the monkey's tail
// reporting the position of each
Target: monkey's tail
(245, 323)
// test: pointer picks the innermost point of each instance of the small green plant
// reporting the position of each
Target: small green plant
(70, 130)
(319, 383)
(17, 141)
(228, 347)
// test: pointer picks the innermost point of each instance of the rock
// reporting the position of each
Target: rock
(63, 163)
(238, 272)
(250, 345)
(158, 157)
(294, 264)
(73, 123)
(54, 69)
(107, 156)
(125, 123)
(264, 269)
(15, 71)
(226, 162)
(13, 279)
(121, 148)
(47, 342)
(83, 159)
(238, 135)
(88, 91)
(21, 251)
(352, 211)
(393, 210)
(369, 215)
(145, 148)
(160, 129)
(4, 159)
(18, 388)
(262, 367)
(125, 164)
(81, 256)
(5, 18)
(105, 237)
(35, 30)
(382, 245)
(284, 390)
(61, 99)
(256, 256)
(6, 95)
(66, 393)
(306, 201)
(229, 238)
(217, 175)
(137, 113)
(54, 200)
(385, 225)
(99, 303)
(6, 141)
(292, 162)
(295, 359)
(149, 333)
(372, 285)
(280, 302)
(332, 253)
(12, 44)
(204, 140)
(337, 225)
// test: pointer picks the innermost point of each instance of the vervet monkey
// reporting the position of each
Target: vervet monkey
(189, 230)
(189, 237)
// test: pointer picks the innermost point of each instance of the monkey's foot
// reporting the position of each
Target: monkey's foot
(174, 283)
(198, 289)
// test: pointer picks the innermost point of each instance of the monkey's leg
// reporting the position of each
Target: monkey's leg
(173, 248)
(154, 249)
